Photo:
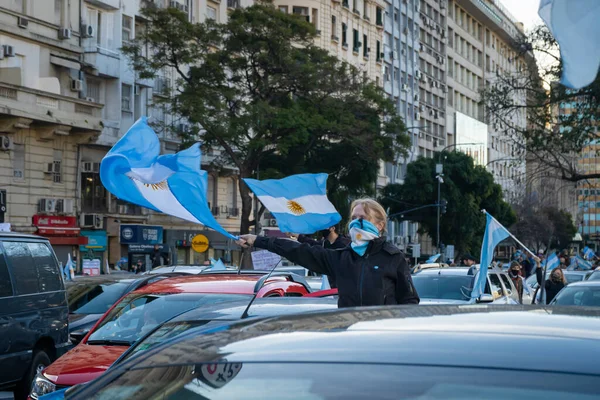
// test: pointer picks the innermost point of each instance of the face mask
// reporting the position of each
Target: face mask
(361, 233)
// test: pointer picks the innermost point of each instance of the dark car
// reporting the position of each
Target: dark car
(34, 328)
(91, 296)
(393, 352)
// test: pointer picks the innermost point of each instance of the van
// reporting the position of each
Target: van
(34, 325)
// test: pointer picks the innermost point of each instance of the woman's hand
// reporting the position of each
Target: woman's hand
(246, 241)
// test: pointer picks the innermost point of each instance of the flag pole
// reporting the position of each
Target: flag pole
(510, 234)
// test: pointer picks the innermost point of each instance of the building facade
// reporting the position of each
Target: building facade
(67, 94)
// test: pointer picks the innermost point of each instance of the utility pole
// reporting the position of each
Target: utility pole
(439, 170)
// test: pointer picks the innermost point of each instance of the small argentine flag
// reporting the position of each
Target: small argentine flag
(551, 262)
(299, 202)
(432, 259)
(588, 253)
(133, 170)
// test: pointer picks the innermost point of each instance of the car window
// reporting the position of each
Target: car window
(595, 276)
(573, 277)
(507, 284)
(6, 288)
(451, 287)
(49, 276)
(94, 298)
(578, 296)
(496, 286)
(325, 381)
(22, 267)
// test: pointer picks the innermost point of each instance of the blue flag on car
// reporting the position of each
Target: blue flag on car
(551, 262)
(574, 25)
(588, 253)
(432, 259)
(299, 203)
(495, 232)
(133, 170)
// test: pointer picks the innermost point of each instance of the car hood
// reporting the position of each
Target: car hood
(443, 301)
(82, 364)
(82, 321)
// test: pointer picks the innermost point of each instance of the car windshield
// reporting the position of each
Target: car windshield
(136, 314)
(94, 298)
(450, 287)
(578, 296)
(320, 381)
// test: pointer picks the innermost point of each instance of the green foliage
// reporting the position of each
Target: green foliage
(273, 101)
(467, 188)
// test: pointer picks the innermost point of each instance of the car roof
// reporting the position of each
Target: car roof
(585, 283)
(14, 235)
(444, 271)
(457, 336)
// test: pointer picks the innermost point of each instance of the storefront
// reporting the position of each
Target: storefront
(218, 247)
(141, 241)
(94, 250)
(62, 232)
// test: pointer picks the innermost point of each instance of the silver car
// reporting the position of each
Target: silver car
(454, 285)
(584, 293)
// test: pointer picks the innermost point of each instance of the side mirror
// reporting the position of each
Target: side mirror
(485, 298)
(78, 336)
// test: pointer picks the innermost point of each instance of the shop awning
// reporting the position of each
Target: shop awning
(68, 240)
(58, 231)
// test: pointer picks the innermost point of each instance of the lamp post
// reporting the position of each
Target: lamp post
(439, 170)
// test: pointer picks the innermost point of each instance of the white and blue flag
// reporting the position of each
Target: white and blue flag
(551, 262)
(588, 253)
(574, 25)
(299, 203)
(583, 264)
(495, 232)
(133, 170)
(433, 259)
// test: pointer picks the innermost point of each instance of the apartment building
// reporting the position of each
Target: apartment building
(480, 35)
(67, 94)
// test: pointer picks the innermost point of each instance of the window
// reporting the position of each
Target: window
(333, 27)
(378, 48)
(103, 23)
(126, 34)
(93, 89)
(18, 161)
(344, 35)
(303, 11)
(22, 267)
(355, 6)
(93, 194)
(126, 97)
(283, 9)
(232, 191)
(365, 46)
(49, 278)
(315, 18)
(386, 74)
(6, 288)
(211, 13)
(365, 9)
(56, 167)
(506, 284)
(379, 16)
(355, 41)
(496, 286)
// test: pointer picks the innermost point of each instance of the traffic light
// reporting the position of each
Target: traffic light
(443, 205)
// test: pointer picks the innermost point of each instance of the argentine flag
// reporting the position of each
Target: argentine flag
(588, 253)
(551, 262)
(495, 232)
(432, 259)
(574, 25)
(133, 170)
(299, 203)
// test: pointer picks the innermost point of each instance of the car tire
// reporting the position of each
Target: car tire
(40, 361)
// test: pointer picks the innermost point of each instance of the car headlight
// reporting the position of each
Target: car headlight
(41, 386)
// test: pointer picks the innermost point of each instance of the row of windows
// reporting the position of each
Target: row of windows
(432, 70)
(465, 21)
(465, 104)
(464, 76)
(465, 49)
(433, 42)
(54, 168)
(432, 13)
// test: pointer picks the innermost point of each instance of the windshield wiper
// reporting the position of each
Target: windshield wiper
(108, 342)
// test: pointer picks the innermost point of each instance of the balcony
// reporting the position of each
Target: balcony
(103, 62)
(60, 114)
(105, 4)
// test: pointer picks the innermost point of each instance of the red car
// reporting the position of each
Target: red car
(139, 311)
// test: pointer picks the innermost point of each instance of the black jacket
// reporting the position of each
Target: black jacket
(380, 277)
(339, 243)
(552, 289)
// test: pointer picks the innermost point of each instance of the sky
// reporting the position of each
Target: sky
(525, 11)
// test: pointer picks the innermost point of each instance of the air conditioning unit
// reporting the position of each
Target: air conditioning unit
(405, 87)
(49, 168)
(403, 52)
(91, 221)
(88, 166)
(22, 22)
(416, 97)
(395, 55)
(137, 90)
(6, 143)
(417, 116)
(272, 222)
(88, 31)
(64, 206)
(64, 33)
(431, 112)
(76, 85)
(422, 108)
(47, 205)
(419, 75)
(90, 99)
(445, 89)
(436, 115)
(8, 50)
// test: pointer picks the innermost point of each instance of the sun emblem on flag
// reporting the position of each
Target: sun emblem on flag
(154, 186)
(295, 207)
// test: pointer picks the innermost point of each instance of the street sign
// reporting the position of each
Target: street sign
(200, 243)
(450, 252)
(416, 250)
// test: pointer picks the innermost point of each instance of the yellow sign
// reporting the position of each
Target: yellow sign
(200, 243)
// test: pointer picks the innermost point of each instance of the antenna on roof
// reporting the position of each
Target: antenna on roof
(245, 313)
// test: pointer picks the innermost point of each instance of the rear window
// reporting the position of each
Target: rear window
(49, 276)
(573, 278)
(578, 296)
(94, 298)
(450, 287)
(22, 266)
(5, 283)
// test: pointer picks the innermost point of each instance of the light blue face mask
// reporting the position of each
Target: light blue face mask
(362, 232)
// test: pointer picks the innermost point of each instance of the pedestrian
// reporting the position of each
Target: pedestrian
(514, 273)
(527, 266)
(331, 239)
(156, 257)
(369, 272)
(138, 267)
(469, 261)
(554, 284)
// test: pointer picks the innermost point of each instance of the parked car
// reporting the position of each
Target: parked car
(594, 276)
(90, 297)
(379, 353)
(34, 324)
(570, 276)
(586, 293)
(141, 310)
(454, 286)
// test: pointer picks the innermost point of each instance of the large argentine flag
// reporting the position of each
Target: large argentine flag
(574, 24)
(494, 234)
(172, 184)
(299, 202)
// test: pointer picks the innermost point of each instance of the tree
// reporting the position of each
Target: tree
(468, 188)
(561, 122)
(275, 104)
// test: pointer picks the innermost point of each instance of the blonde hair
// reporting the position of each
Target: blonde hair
(562, 274)
(373, 209)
